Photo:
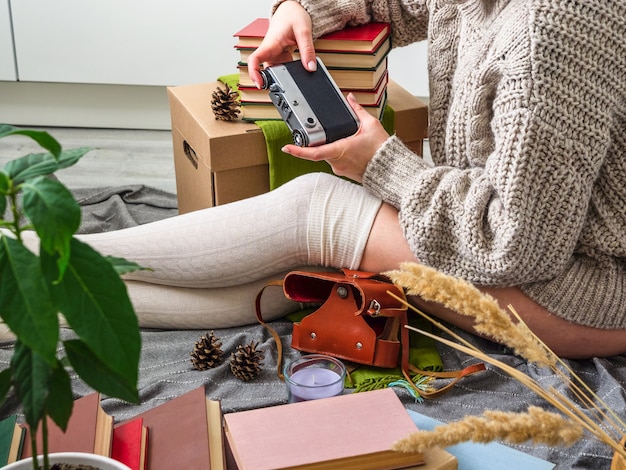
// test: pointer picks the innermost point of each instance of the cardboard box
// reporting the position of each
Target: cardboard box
(411, 117)
(218, 162)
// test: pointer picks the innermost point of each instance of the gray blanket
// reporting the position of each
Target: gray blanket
(166, 370)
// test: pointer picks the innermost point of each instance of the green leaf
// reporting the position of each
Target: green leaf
(41, 164)
(25, 303)
(123, 266)
(31, 379)
(97, 374)
(60, 399)
(55, 215)
(6, 379)
(94, 301)
(44, 139)
(5, 183)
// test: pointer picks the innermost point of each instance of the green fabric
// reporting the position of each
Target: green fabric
(284, 167)
(423, 354)
(231, 80)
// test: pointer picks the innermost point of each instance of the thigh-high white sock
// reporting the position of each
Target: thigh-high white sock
(317, 219)
(207, 266)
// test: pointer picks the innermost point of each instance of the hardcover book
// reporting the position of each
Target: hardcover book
(130, 444)
(253, 111)
(185, 433)
(353, 431)
(11, 440)
(345, 78)
(89, 429)
(365, 39)
(339, 59)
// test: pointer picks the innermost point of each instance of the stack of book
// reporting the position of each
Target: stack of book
(190, 432)
(184, 432)
(356, 58)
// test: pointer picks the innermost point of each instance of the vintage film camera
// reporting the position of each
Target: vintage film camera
(311, 103)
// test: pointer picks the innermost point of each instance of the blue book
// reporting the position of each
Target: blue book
(472, 455)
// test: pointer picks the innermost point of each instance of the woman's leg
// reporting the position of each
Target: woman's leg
(314, 220)
(566, 339)
(387, 248)
(207, 266)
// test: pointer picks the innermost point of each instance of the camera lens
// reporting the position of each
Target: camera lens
(267, 79)
(300, 138)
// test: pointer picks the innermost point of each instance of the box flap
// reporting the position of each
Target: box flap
(411, 121)
(222, 145)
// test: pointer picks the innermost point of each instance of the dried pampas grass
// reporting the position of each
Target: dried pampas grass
(537, 425)
(464, 298)
(491, 320)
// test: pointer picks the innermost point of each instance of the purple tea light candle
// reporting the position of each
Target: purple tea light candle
(314, 376)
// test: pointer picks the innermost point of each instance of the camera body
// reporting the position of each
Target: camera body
(310, 103)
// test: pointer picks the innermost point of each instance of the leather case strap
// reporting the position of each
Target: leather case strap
(358, 321)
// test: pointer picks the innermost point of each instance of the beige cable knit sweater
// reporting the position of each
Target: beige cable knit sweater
(528, 136)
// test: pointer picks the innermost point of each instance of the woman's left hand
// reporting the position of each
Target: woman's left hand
(349, 156)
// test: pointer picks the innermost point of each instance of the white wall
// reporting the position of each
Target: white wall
(408, 67)
(7, 60)
(72, 53)
(121, 42)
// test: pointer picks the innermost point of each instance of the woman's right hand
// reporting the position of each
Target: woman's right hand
(290, 28)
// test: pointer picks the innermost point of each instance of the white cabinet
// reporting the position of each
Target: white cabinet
(105, 63)
(7, 58)
(129, 42)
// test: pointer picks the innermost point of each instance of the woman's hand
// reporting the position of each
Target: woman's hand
(290, 28)
(348, 157)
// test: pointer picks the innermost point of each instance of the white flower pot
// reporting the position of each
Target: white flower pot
(97, 461)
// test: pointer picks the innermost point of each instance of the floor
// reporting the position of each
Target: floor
(119, 156)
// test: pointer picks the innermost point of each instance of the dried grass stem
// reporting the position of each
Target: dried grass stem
(537, 425)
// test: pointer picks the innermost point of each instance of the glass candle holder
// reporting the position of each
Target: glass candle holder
(314, 376)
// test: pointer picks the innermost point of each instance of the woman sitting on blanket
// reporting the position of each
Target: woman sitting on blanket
(526, 198)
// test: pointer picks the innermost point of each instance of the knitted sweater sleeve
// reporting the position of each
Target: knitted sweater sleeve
(408, 18)
(523, 147)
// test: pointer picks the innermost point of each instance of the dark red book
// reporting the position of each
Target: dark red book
(185, 432)
(365, 39)
(89, 430)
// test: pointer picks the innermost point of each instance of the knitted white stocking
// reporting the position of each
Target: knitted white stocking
(209, 265)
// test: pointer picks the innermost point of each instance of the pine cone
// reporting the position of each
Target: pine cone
(225, 104)
(207, 352)
(245, 362)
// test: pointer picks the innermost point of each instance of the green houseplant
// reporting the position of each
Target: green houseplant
(65, 277)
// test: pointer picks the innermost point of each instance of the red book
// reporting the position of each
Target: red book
(89, 430)
(363, 39)
(130, 444)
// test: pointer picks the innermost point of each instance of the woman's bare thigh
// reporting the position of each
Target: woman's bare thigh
(387, 248)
